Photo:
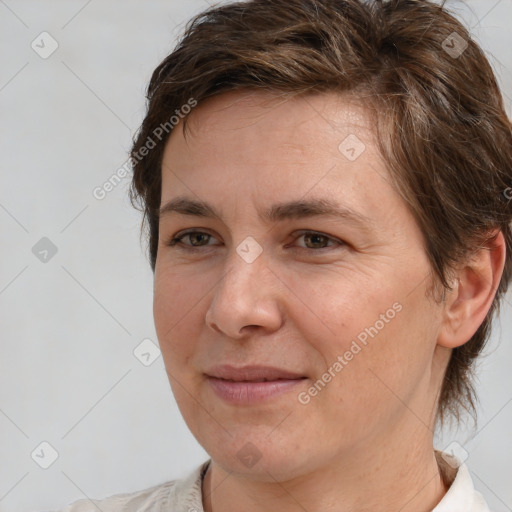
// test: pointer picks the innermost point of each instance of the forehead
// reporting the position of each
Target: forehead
(295, 118)
(247, 129)
(268, 147)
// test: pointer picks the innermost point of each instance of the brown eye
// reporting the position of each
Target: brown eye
(318, 241)
(314, 240)
(196, 239)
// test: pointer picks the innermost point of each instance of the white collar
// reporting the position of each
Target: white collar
(461, 496)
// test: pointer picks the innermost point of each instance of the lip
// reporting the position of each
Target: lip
(251, 384)
(251, 373)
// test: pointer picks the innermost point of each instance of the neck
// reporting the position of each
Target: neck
(403, 476)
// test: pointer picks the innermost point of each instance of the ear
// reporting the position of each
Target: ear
(474, 288)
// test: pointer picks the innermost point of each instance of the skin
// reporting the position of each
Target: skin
(365, 441)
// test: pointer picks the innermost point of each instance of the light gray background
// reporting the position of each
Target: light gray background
(68, 375)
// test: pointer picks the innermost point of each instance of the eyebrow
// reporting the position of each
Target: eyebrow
(299, 209)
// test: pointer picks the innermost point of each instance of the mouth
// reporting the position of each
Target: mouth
(251, 384)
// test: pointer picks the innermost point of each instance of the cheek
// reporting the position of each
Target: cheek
(372, 339)
(333, 308)
(177, 315)
(384, 367)
(178, 304)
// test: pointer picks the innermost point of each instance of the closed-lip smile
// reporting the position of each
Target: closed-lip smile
(248, 385)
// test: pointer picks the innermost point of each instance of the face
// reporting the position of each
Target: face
(292, 335)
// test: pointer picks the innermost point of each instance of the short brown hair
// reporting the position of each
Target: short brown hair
(442, 127)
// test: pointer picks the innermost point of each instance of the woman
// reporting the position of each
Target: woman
(326, 185)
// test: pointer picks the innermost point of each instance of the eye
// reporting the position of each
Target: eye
(315, 240)
(197, 239)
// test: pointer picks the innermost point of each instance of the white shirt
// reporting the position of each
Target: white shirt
(185, 496)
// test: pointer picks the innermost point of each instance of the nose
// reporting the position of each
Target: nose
(247, 298)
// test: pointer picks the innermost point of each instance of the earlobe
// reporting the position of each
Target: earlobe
(474, 289)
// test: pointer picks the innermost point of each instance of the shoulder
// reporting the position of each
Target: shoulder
(141, 501)
(183, 494)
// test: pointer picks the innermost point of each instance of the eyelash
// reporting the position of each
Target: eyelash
(177, 240)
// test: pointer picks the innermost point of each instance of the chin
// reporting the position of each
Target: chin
(256, 454)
